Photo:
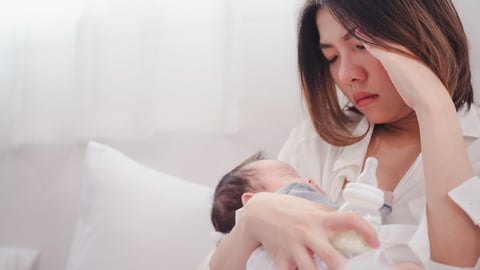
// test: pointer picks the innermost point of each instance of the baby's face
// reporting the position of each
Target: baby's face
(274, 174)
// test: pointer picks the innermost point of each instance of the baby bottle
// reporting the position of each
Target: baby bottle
(364, 198)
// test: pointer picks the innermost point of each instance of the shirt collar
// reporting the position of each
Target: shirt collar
(353, 155)
(349, 162)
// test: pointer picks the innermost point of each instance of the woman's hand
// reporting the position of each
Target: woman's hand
(292, 229)
(416, 83)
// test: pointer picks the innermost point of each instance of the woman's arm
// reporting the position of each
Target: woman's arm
(234, 249)
(454, 239)
(291, 229)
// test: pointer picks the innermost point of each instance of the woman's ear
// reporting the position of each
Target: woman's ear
(246, 196)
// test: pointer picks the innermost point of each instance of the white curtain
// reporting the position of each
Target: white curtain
(77, 69)
(71, 70)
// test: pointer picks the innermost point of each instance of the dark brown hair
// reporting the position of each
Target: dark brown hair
(227, 197)
(430, 29)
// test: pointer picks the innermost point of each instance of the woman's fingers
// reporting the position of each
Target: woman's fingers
(380, 52)
(328, 254)
(304, 259)
(296, 228)
(346, 221)
(335, 222)
(284, 265)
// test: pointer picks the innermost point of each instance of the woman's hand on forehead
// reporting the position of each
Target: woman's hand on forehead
(414, 80)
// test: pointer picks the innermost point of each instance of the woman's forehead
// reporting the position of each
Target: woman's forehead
(328, 27)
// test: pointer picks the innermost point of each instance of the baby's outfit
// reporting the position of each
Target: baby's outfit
(306, 191)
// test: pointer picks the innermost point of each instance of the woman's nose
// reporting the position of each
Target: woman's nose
(350, 70)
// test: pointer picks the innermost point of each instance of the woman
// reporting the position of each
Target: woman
(404, 67)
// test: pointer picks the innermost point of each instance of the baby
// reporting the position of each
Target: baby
(257, 174)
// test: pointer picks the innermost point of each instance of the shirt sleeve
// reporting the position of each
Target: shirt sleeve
(300, 133)
(466, 197)
(288, 151)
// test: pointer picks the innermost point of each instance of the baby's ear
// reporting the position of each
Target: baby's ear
(246, 196)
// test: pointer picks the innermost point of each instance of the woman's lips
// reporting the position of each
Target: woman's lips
(364, 98)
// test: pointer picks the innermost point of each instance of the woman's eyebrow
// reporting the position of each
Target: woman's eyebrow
(345, 37)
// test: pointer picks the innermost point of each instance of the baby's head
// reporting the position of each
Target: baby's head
(255, 174)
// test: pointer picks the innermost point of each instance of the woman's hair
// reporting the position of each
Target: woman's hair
(430, 29)
(227, 197)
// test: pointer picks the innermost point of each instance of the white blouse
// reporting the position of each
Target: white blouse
(404, 235)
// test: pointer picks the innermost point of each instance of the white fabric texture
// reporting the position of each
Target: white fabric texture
(18, 258)
(467, 200)
(404, 237)
(260, 260)
(129, 212)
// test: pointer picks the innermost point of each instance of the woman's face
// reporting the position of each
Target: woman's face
(359, 75)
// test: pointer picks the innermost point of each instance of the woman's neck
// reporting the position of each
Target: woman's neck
(396, 146)
(403, 131)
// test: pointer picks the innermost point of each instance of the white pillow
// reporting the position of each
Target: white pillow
(133, 217)
(17, 258)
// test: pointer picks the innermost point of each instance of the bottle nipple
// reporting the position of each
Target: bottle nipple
(369, 173)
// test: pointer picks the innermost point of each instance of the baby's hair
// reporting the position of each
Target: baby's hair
(228, 194)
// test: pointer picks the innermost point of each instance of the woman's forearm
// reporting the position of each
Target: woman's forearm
(454, 239)
(234, 250)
